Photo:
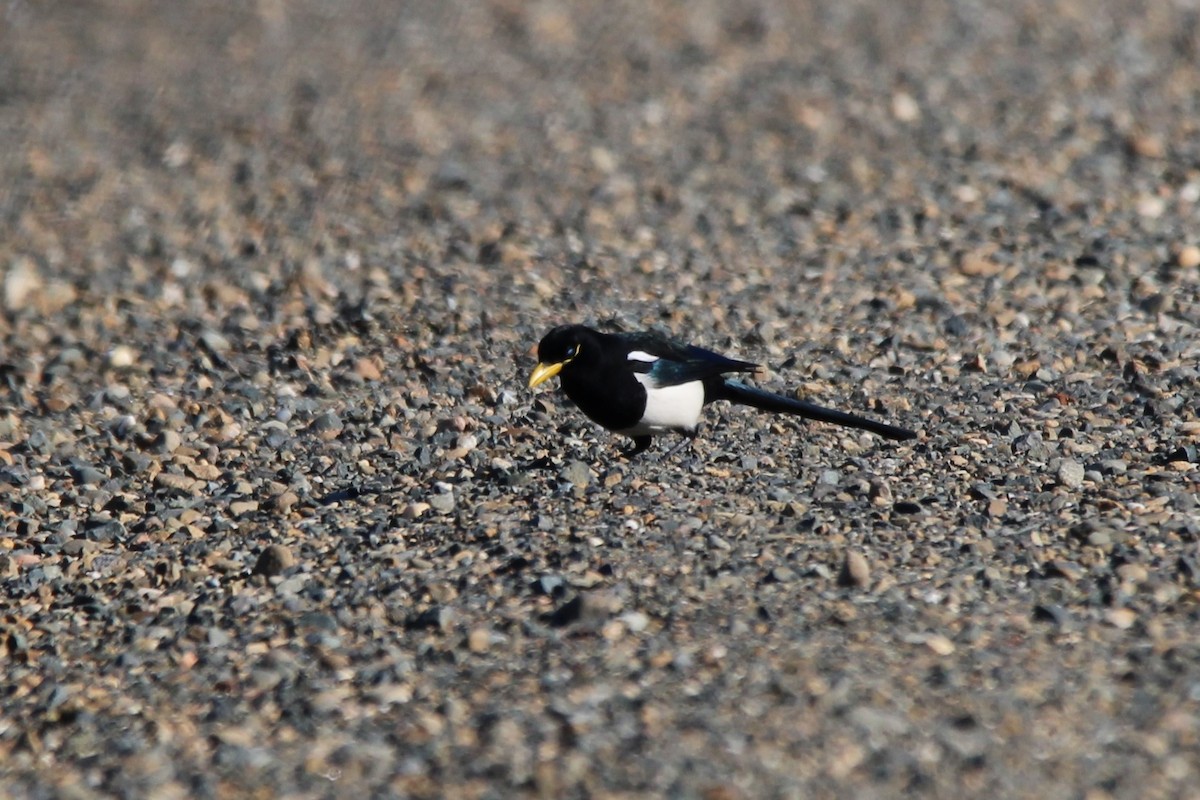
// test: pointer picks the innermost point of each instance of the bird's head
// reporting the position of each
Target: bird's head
(561, 348)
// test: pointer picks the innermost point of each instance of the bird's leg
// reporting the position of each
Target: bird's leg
(640, 443)
(688, 438)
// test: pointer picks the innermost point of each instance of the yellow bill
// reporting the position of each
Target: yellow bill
(543, 373)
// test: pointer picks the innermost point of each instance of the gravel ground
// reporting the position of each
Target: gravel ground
(279, 518)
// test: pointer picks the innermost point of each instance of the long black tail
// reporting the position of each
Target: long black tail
(738, 392)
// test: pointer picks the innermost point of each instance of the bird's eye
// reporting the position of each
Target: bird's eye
(572, 351)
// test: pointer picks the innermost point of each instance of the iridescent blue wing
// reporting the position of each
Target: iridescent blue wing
(669, 363)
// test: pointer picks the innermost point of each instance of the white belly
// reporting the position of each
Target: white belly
(669, 408)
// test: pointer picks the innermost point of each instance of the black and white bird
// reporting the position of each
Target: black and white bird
(644, 384)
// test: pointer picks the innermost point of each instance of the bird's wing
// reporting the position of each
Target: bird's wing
(668, 363)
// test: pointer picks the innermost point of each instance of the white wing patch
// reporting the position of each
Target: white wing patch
(639, 355)
(668, 408)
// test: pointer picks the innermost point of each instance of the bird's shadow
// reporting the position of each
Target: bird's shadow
(358, 492)
(354, 492)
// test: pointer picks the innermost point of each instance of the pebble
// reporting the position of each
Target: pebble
(122, 356)
(577, 473)
(284, 501)
(905, 107)
(1133, 573)
(1188, 257)
(277, 434)
(1031, 446)
(39, 442)
(1062, 568)
(111, 530)
(78, 547)
(217, 343)
(855, 571)
(327, 426)
(939, 644)
(168, 441)
(551, 585)
(718, 543)
(1122, 618)
(634, 621)
(291, 586)
(1114, 466)
(368, 369)
(781, 574)
(274, 560)
(1151, 206)
(416, 510)
(1070, 473)
(240, 508)
(88, 475)
(21, 282)
(479, 640)
(1051, 612)
(441, 502)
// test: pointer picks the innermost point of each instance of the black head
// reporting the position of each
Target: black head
(563, 347)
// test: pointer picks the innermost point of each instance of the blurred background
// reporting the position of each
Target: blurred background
(710, 139)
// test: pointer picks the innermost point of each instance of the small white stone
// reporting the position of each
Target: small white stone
(21, 283)
(122, 356)
(905, 107)
(1151, 206)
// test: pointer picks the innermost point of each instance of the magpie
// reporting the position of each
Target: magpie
(643, 384)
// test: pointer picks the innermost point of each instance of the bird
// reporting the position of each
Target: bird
(644, 384)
